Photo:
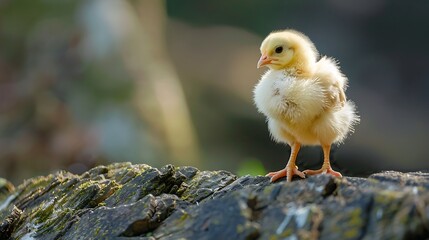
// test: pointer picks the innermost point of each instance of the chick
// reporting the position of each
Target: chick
(303, 99)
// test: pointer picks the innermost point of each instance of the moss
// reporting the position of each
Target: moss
(43, 213)
(86, 184)
(356, 217)
(352, 233)
(286, 233)
(239, 228)
(184, 216)
(35, 183)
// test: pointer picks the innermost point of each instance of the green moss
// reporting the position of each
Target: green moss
(356, 217)
(35, 183)
(86, 184)
(240, 228)
(43, 212)
(352, 233)
(286, 233)
(184, 216)
(55, 223)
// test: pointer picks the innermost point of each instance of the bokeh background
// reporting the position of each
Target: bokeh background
(90, 82)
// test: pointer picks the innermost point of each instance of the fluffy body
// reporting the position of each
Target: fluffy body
(310, 110)
(303, 98)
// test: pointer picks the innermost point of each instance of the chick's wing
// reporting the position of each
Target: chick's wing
(333, 81)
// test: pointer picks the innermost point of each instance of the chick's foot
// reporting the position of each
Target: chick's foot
(323, 170)
(288, 172)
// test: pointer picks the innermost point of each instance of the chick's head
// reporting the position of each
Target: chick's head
(288, 49)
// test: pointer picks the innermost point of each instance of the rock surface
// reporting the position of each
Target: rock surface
(125, 201)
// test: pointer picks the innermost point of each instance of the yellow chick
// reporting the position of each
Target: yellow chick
(303, 99)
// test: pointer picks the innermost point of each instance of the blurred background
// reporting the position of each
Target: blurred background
(91, 82)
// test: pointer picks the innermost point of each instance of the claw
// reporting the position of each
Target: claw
(323, 170)
(326, 167)
(287, 172)
(290, 169)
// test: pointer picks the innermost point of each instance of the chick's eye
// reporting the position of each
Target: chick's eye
(279, 49)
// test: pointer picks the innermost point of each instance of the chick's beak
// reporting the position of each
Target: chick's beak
(264, 60)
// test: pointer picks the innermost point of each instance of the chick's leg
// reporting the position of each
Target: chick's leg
(290, 169)
(326, 167)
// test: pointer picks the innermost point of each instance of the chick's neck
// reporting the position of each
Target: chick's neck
(300, 66)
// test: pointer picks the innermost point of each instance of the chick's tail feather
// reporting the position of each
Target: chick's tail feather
(334, 127)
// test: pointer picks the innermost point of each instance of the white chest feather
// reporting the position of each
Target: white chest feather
(286, 98)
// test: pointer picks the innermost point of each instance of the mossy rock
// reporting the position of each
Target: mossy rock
(125, 201)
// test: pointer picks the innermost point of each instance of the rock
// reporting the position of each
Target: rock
(11, 217)
(125, 201)
(128, 220)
